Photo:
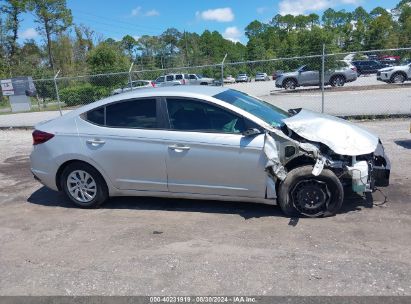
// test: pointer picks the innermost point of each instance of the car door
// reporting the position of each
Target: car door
(124, 139)
(308, 76)
(207, 154)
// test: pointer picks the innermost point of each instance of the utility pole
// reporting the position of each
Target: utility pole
(322, 79)
(222, 70)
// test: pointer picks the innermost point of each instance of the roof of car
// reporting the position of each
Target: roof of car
(179, 90)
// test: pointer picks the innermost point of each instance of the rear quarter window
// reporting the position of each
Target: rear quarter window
(95, 116)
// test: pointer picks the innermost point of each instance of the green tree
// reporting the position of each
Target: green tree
(254, 29)
(53, 17)
(13, 10)
(128, 43)
(106, 58)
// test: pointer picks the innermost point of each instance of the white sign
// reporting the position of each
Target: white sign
(7, 87)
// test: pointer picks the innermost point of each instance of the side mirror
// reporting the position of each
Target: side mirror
(251, 132)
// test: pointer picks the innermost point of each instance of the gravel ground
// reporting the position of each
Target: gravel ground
(146, 246)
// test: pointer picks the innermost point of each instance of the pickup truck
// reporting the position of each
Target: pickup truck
(197, 79)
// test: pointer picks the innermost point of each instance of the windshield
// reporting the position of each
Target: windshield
(267, 112)
(199, 76)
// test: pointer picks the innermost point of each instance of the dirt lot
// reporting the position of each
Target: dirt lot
(146, 246)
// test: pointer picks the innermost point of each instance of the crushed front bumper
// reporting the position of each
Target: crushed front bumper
(381, 170)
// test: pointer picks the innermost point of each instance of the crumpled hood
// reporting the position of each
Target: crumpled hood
(339, 135)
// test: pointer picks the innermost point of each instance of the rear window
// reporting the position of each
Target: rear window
(132, 114)
(179, 77)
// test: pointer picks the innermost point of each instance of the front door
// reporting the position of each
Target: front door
(207, 154)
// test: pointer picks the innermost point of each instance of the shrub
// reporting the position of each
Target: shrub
(82, 94)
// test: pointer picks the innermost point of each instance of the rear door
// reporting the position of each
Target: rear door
(125, 140)
(207, 154)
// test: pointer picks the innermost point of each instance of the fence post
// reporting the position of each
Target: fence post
(129, 76)
(322, 79)
(57, 92)
(222, 70)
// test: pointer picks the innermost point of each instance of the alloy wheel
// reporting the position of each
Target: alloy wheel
(81, 186)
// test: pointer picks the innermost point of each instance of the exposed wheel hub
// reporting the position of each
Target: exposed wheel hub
(311, 197)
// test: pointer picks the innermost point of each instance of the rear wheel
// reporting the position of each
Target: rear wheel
(289, 84)
(338, 81)
(302, 193)
(398, 78)
(84, 185)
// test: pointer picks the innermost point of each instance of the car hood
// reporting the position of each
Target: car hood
(339, 135)
(386, 69)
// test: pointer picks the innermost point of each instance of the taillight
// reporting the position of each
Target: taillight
(40, 137)
(184, 81)
(153, 84)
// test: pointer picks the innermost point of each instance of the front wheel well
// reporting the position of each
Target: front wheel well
(299, 162)
(288, 79)
(399, 72)
(64, 165)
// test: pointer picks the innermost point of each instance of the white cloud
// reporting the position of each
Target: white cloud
(29, 33)
(261, 10)
(136, 11)
(232, 33)
(297, 7)
(218, 14)
(152, 13)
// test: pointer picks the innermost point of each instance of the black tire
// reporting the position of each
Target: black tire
(289, 84)
(325, 192)
(101, 194)
(204, 83)
(398, 78)
(338, 81)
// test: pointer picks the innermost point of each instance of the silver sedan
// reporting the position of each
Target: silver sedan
(206, 143)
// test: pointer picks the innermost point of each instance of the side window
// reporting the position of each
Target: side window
(139, 113)
(194, 115)
(160, 79)
(96, 116)
(192, 76)
(169, 78)
(179, 76)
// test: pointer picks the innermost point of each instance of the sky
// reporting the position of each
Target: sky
(115, 19)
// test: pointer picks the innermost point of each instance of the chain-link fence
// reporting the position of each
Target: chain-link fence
(343, 84)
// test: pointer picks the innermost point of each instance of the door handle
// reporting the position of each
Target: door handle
(95, 142)
(178, 148)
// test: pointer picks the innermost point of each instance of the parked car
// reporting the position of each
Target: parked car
(137, 84)
(369, 66)
(203, 142)
(261, 77)
(197, 79)
(171, 80)
(395, 74)
(306, 76)
(242, 78)
(229, 79)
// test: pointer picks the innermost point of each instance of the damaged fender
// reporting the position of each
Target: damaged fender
(273, 157)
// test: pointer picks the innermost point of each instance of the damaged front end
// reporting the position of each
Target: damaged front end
(355, 156)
